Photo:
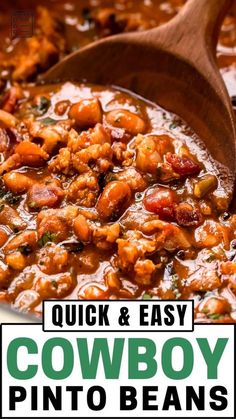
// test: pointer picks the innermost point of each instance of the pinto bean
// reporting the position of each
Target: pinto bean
(162, 202)
(4, 274)
(31, 154)
(86, 113)
(61, 107)
(16, 261)
(147, 154)
(7, 120)
(92, 292)
(10, 217)
(4, 141)
(13, 162)
(17, 182)
(26, 238)
(114, 200)
(81, 228)
(122, 118)
(3, 237)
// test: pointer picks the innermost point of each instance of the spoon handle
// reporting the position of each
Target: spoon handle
(202, 19)
(193, 30)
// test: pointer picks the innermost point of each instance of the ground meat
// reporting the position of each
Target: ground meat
(52, 259)
(55, 286)
(133, 178)
(84, 190)
(62, 163)
(98, 157)
(144, 270)
(103, 237)
(204, 280)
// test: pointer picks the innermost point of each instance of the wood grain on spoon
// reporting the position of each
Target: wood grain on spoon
(174, 66)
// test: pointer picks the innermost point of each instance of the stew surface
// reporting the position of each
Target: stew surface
(104, 195)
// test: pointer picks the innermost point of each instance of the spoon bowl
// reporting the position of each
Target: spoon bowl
(173, 65)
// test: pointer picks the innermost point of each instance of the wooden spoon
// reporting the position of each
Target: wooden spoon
(173, 65)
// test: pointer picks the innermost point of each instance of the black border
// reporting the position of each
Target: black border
(105, 417)
(121, 330)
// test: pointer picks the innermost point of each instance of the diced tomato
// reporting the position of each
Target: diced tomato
(161, 201)
(188, 215)
(40, 195)
(184, 166)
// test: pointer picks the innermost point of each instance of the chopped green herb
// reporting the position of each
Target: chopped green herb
(12, 199)
(109, 178)
(47, 237)
(75, 247)
(146, 296)
(214, 316)
(138, 195)
(32, 204)
(205, 311)
(43, 104)
(173, 125)
(40, 108)
(2, 193)
(159, 171)
(86, 14)
(209, 294)
(175, 280)
(175, 285)
(25, 249)
(55, 284)
(48, 121)
(101, 180)
(210, 258)
(177, 294)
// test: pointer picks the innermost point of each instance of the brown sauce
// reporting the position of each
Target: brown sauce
(105, 195)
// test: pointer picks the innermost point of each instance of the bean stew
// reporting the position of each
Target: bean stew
(104, 195)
